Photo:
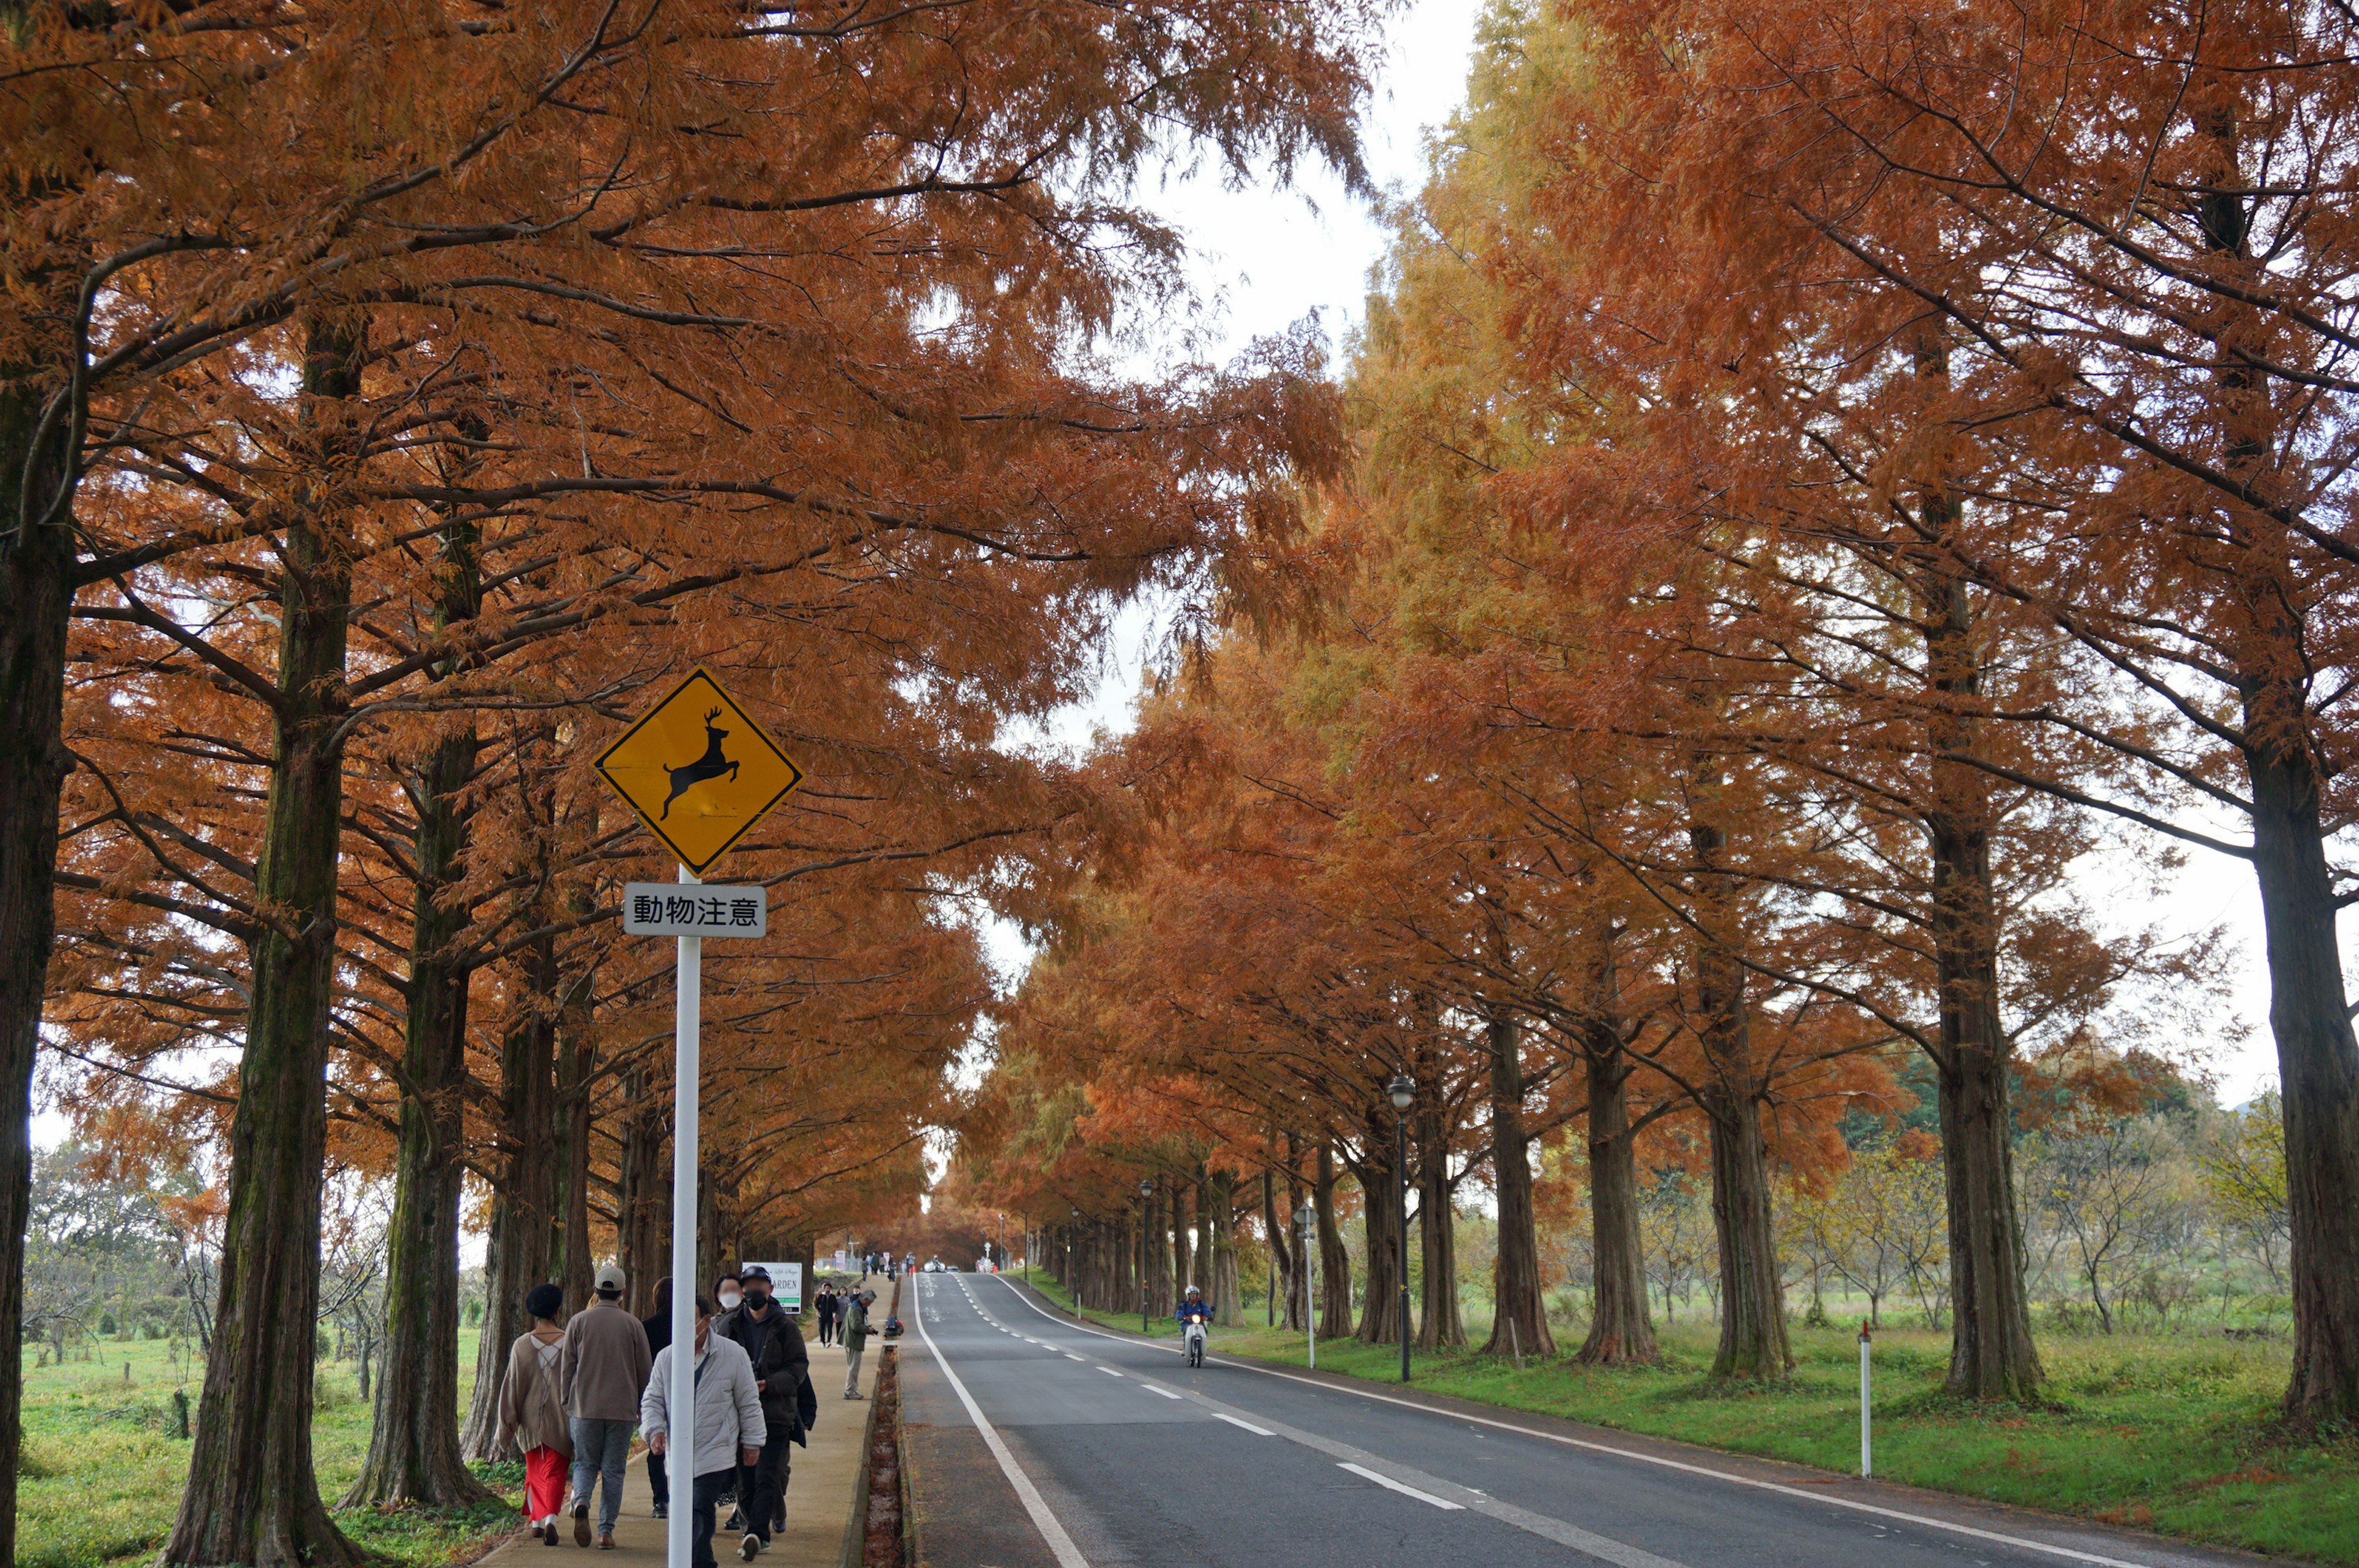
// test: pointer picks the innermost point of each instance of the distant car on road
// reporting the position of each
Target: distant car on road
(934, 1266)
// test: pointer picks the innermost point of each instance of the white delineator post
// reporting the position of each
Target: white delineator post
(1310, 1286)
(680, 1447)
(1865, 1468)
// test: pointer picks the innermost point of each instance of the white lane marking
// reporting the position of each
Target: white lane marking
(1061, 1545)
(1070, 1357)
(1110, 1371)
(1232, 1421)
(1405, 1491)
(1153, 1389)
(2024, 1542)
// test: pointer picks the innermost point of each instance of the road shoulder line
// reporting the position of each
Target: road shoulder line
(1061, 1545)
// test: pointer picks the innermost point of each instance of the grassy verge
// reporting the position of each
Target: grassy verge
(2171, 1435)
(1044, 1283)
(103, 1474)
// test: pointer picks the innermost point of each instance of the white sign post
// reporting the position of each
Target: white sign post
(680, 1462)
(651, 909)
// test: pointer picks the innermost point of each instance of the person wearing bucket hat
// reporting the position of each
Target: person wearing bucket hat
(606, 1362)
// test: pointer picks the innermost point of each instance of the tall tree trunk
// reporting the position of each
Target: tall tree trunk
(1183, 1259)
(1621, 1328)
(1519, 1321)
(1440, 1322)
(1991, 1351)
(1334, 1257)
(1752, 1341)
(37, 562)
(2317, 1067)
(640, 1234)
(253, 1496)
(577, 1064)
(1281, 1254)
(523, 1191)
(413, 1453)
(1159, 1252)
(1228, 1296)
(1380, 1310)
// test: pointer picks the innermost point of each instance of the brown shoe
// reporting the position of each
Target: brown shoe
(547, 1533)
(605, 1541)
(581, 1521)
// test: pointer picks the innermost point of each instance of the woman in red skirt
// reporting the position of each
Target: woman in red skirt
(532, 1411)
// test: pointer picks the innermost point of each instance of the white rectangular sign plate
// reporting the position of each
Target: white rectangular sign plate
(786, 1284)
(694, 909)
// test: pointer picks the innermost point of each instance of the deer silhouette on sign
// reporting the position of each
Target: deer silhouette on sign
(711, 765)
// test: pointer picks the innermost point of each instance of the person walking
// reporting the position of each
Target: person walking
(772, 1342)
(855, 1340)
(824, 1305)
(532, 1411)
(659, 1331)
(606, 1361)
(725, 1420)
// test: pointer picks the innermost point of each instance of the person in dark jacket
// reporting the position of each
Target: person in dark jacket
(773, 1343)
(658, 1329)
(824, 1304)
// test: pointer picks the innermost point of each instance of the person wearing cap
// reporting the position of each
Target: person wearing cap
(726, 1419)
(605, 1365)
(855, 1335)
(772, 1342)
(532, 1414)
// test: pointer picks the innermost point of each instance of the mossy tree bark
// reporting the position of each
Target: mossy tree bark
(36, 563)
(253, 1496)
(1519, 1324)
(1380, 1310)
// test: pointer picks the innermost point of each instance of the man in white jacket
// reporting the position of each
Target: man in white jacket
(729, 1428)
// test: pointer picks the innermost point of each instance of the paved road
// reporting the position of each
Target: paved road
(1037, 1443)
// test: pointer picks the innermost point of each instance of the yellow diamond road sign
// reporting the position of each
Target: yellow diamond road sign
(698, 771)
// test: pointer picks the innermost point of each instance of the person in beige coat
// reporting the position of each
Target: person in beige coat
(532, 1411)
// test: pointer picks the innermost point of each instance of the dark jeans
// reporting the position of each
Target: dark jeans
(709, 1487)
(761, 1487)
(658, 1484)
(827, 1328)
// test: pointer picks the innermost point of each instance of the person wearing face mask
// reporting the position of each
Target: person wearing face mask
(728, 1292)
(729, 1428)
(772, 1342)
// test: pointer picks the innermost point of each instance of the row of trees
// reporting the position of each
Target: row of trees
(1823, 477)
(394, 399)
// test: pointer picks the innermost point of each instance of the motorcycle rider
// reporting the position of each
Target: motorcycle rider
(1194, 1309)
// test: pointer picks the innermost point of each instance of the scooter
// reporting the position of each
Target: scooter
(1195, 1333)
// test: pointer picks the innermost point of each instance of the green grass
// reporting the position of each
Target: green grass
(102, 1475)
(2171, 1433)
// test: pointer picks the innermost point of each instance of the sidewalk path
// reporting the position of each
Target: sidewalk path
(818, 1493)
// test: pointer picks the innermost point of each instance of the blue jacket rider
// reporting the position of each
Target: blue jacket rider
(1192, 1308)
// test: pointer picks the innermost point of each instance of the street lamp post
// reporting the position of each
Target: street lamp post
(1146, 1195)
(1404, 1093)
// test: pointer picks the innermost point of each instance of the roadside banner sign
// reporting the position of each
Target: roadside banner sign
(698, 771)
